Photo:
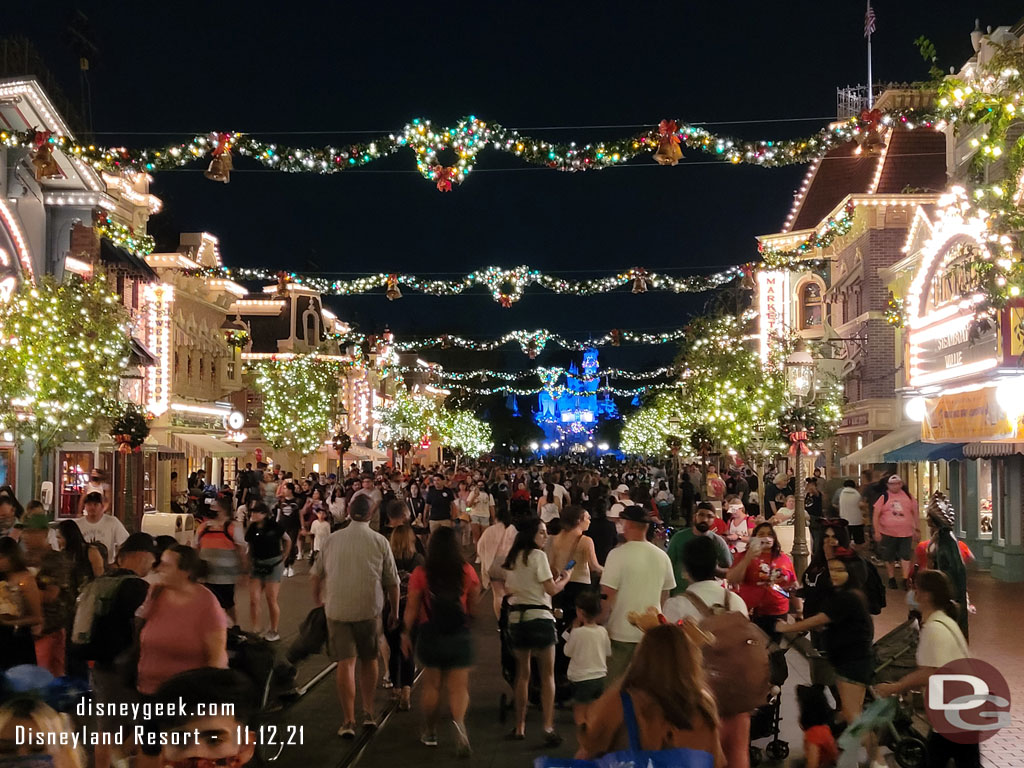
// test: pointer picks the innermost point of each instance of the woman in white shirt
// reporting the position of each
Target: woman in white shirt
(941, 642)
(549, 506)
(491, 551)
(531, 624)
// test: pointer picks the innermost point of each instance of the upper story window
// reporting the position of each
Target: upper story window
(812, 309)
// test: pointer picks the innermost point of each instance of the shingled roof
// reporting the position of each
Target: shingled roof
(914, 158)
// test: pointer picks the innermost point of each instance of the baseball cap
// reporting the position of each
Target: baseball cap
(138, 542)
(896, 479)
(623, 488)
(36, 522)
(636, 514)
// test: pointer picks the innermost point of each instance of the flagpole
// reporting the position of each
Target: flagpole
(871, 90)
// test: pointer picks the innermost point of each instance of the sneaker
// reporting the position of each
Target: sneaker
(386, 683)
(552, 739)
(892, 583)
(271, 636)
(369, 722)
(428, 739)
(462, 748)
(347, 731)
(290, 571)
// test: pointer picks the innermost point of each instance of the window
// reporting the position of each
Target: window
(985, 498)
(811, 307)
(213, 371)
(202, 368)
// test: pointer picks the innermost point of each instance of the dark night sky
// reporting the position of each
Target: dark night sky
(323, 69)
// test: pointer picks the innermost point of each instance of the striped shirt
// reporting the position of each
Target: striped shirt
(356, 565)
(217, 547)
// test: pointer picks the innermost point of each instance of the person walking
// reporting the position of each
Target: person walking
(637, 575)
(222, 547)
(702, 519)
(851, 509)
(288, 514)
(530, 585)
(440, 507)
(895, 528)
(401, 668)
(481, 509)
(269, 545)
(351, 580)
(98, 527)
(570, 545)
(22, 611)
(442, 595)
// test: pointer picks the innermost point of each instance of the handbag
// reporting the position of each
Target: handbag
(678, 757)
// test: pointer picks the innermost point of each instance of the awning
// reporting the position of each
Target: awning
(874, 453)
(125, 259)
(140, 355)
(200, 446)
(985, 450)
(363, 453)
(163, 452)
(919, 451)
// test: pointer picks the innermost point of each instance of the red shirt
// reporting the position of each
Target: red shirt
(418, 583)
(719, 526)
(921, 555)
(821, 736)
(764, 573)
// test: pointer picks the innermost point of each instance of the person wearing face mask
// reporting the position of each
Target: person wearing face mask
(740, 525)
(701, 526)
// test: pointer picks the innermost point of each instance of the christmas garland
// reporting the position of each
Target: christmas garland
(557, 391)
(531, 342)
(466, 139)
(824, 236)
(506, 286)
(544, 373)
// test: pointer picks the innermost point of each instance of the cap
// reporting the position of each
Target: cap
(636, 514)
(896, 479)
(623, 488)
(138, 542)
(37, 522)
(782, 477)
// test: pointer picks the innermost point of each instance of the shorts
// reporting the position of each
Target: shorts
(481, 520)
(437, 650)
(435, 524)
(586, 691)
(533, 635)
(893, 548)
(857, 671)
(225, 594)
(351, 639)
(856, 533)
(275, 574)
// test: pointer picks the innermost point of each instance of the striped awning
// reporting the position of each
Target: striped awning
(198, 446)
(986, 450)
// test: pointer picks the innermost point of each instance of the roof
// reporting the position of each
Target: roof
(914, 158)
(125, 259)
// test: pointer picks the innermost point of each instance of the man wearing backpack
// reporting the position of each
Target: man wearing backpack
(111, 630)
(896, 528)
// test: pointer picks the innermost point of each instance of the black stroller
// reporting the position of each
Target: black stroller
(508, 664)
(895, 656)
(766, 721)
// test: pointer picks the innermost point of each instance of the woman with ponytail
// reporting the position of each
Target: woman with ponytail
(941, 642)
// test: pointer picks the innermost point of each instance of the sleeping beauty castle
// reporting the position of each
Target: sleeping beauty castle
(568, 413)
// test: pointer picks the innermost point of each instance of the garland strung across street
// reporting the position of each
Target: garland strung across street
(531, 342)
(505, 285)
(544, 373)
(559, 390)
(465, 139)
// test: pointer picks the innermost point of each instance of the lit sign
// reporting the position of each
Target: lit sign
(158, 300)
(773, 306)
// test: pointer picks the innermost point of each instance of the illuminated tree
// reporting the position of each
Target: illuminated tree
(407, 417)
(299, 401)
(647, 431)
(463, 432)
(63, 348)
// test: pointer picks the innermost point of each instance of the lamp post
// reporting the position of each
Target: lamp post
(800, 386)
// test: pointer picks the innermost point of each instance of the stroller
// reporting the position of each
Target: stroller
(766, 721)
(508, 664)
(896, 655)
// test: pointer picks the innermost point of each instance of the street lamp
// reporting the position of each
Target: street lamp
(800, 386)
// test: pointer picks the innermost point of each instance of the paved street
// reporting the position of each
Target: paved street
(396, 743)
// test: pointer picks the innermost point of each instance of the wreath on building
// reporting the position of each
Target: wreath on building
(341, 442)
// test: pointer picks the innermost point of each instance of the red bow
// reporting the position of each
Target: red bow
(41, 138)
(505, 300)
(223, 141)
(668, 129)
(443, 176)
(871, 118)
(842, 553)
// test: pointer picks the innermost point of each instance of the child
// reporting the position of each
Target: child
(820, 750)
(588, 649)
(320, 529)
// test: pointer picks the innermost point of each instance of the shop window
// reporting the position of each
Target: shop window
(213, 372)
(149, 480)
(1002, 482)
(8, 459)
(177, 363)
(75, 467)
(202, 368)
(811, 306)
(188, 371)
(985, 498)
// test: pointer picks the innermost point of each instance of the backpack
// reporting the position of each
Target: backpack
(736, 661)
(94, 603)
(445, 614)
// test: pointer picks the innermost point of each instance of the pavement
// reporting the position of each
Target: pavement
(396, 742)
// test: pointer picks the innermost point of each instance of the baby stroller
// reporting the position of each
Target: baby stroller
(895, 656)
(508, 664)
(766, 721)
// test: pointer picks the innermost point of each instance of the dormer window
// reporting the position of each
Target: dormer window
(811, 308)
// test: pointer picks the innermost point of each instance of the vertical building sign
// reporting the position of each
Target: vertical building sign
(773, 308)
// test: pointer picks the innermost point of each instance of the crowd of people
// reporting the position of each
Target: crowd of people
(572, 555)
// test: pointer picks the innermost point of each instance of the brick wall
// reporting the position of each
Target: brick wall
(84, 243)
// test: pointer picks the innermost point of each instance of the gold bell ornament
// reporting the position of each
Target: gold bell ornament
(43, 163)
(393, 291)
(220, 164)
(640, 281)
(668, 152)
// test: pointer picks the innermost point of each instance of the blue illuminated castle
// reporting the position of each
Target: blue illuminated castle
(568, 413)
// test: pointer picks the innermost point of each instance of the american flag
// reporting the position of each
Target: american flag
(869, 21)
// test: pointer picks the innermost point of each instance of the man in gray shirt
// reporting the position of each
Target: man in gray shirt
(355, 571)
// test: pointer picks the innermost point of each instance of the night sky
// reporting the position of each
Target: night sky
(304, 74)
